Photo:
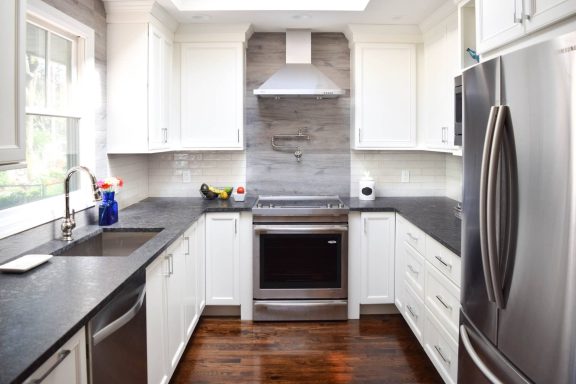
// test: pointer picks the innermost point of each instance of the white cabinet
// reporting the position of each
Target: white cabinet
(194, 283)
(67, 366)
(12, 129)
(501, 21)
(383, 96)
(175, 294)
(138, 79)
(212, 96)
(377, 253)
(156, 321)
(441, 61)
(222, 259)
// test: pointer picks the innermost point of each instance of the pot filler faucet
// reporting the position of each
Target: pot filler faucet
(68, 224)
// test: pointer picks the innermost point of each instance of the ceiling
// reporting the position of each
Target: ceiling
(411, 12)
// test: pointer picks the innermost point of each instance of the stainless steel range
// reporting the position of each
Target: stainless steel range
(300, 258)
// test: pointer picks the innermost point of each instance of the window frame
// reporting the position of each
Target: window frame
(25, 216)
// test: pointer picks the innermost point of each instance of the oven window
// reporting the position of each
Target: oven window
(299, 261)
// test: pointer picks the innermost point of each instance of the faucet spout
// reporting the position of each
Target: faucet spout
(68, 223)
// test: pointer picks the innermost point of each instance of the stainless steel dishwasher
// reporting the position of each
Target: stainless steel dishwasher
(117, 337)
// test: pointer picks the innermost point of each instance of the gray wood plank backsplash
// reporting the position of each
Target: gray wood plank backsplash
(325, 165)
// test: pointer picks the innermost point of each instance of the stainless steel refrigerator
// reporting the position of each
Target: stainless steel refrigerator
(518, 318)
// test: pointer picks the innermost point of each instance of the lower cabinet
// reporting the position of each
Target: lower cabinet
(175, 298)
(427, 283)
(377, 257)
(67, 366)
(223, 258)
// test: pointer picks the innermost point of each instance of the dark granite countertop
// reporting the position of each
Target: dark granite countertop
(41, 309)
(433, 215)
(44, 307)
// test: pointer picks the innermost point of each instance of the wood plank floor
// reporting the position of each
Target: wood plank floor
(375, 349)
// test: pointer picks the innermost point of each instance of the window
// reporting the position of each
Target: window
(59, 130)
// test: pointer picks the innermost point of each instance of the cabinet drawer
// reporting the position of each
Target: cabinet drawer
(441, 349)
(443, 300)
(414, 312)
(413, 236)
(445, 261)
(415, 267)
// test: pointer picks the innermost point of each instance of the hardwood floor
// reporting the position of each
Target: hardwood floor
(375, 349)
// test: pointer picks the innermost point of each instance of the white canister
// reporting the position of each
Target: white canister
(366, 189)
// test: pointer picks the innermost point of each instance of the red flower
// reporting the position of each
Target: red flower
(120, 182)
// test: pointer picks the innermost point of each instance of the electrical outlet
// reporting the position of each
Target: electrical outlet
(186, 176)
(405, 177)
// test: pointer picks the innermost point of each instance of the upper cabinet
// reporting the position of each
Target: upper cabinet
(12, 129)
(212, 95)
(502, 21)
(441, 62)
(139, 48)
(383, 95)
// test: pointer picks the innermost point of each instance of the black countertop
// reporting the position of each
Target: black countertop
(41, 309)
(433, 215)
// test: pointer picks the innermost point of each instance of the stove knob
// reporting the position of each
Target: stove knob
(340, 205)
(329, 205)
(259, 205)
(271, 205)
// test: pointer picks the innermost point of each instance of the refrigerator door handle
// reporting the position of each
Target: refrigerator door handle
(491, 202)
(484, 175)
(475, 358)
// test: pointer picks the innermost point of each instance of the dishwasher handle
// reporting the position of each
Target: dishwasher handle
(121, 321)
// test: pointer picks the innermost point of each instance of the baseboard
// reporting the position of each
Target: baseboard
(378, 309)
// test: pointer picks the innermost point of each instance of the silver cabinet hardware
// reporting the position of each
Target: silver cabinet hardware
(411, 310)
(414, 238)
(439, 351)
(441, 260)
(61, 356)
(365, 226)
(167, 258)
(299, 228)
(441, 300)
(413, 270)
(187, 239)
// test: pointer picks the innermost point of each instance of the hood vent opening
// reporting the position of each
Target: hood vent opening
(299, 77)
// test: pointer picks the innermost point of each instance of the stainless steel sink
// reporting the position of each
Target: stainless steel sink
(108, 243)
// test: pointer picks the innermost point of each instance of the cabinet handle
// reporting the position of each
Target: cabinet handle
(171, 264)
(61, 356)
(517, 20)
(441, 300)
(238, 136)
(439, 350)
(414, 315)
(235, 226)
(365, 226)
(449, 266)
(167, 258)
(415, 238)
(414, 271)
(445, 135)
(188, 245)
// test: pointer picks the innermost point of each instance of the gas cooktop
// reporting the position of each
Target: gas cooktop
(299, 205)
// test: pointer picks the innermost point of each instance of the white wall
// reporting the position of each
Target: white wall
(133, 169)
(454, 177)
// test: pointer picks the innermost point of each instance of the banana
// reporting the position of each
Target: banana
(215, 190)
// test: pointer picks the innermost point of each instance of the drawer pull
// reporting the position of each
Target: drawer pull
(415, 238)
(439, 350)
(449, 266)
(414, 315)
(61, 356)
(413, 270)
(441, 300)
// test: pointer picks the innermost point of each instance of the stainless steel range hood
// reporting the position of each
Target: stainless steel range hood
(299, 77)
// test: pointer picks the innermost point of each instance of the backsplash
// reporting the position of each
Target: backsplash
(133, 169)
(427, 172)
(325, 165)
(181, 173)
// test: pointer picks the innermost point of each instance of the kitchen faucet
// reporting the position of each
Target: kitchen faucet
(68, 224)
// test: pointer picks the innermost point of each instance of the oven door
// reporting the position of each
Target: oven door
(300, 261)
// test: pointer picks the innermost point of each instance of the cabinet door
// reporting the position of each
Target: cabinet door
(174, 300)
(384, 96)
(212, 90)
(12, 129)
(378, 258)
(156, 321)
(159, 80)
(399, 263)
(67, 366)
(222, 259)
(498, 22)
(201, 268)
(545, 12)
(190, 281)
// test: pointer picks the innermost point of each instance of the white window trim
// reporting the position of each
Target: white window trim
(26, 216)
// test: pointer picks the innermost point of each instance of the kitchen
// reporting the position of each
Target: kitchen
(167, 99)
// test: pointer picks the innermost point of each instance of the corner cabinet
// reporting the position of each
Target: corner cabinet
(441, 63)
(499, 22)
(383, 96)
(377, 257)
(212, 96)
(222, 258)
(12, 128)
(139, 87)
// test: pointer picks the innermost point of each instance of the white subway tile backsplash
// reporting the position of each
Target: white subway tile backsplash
(133, 169)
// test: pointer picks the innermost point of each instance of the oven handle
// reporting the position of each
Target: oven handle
(300, 228)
